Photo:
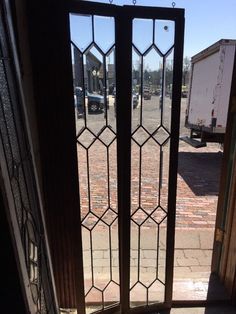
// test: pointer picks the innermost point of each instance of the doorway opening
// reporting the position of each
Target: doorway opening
(126, 64)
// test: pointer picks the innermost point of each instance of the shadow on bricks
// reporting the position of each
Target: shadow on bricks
(201, 171)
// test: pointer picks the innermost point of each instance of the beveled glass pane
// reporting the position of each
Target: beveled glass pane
(83, 180)
(139, 216)
(78, 82)
(101, 260)
(150, 176)
(104, 32)
(161, 135)
(135, 178)
(87, 260)
(140, 136)
(158, 215)
(142, 34)
(90, 221)
(134, 253)
(161, 274)
(115, 277)
(136, 88)
(109, 216)
(112, 152)
(98, 179)
(94, 87)
(152, 78)
(164, 181)
(107, 136)
(167, 89)
(81, 30)
(149, 252)
(164, 34)
(111, 88)
(86, 138)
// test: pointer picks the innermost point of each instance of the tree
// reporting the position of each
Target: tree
(186, 70)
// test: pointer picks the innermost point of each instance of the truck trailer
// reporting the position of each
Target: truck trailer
(209, 93)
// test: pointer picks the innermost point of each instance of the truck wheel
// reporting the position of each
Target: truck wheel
(93, 107)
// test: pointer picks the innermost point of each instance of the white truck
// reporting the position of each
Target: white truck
(209, 93)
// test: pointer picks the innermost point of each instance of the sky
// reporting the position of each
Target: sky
(206, 21)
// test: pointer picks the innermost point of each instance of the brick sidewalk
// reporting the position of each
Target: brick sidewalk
(197, 193)
(197, 185)
(191, 269)
(198, 179)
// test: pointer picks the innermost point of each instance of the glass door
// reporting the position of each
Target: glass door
(126, 64)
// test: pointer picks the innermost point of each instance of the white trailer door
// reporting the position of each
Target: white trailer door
(204, 80)
(223, 86)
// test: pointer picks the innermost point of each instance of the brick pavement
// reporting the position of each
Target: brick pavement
(197, 185)
(198, 180)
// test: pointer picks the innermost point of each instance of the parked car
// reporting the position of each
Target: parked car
(157, 92)
(184, 92)
(146, 94)
(95, 101)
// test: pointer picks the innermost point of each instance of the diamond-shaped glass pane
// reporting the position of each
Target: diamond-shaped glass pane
(104, 32)
(139, 216)
(90, 221)
(107, 136)
(158, 215)
(164, 34)
(81, 30)
(86, 138)
(142, 34)
(109, 217)
(161, 135)
(140, 136)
